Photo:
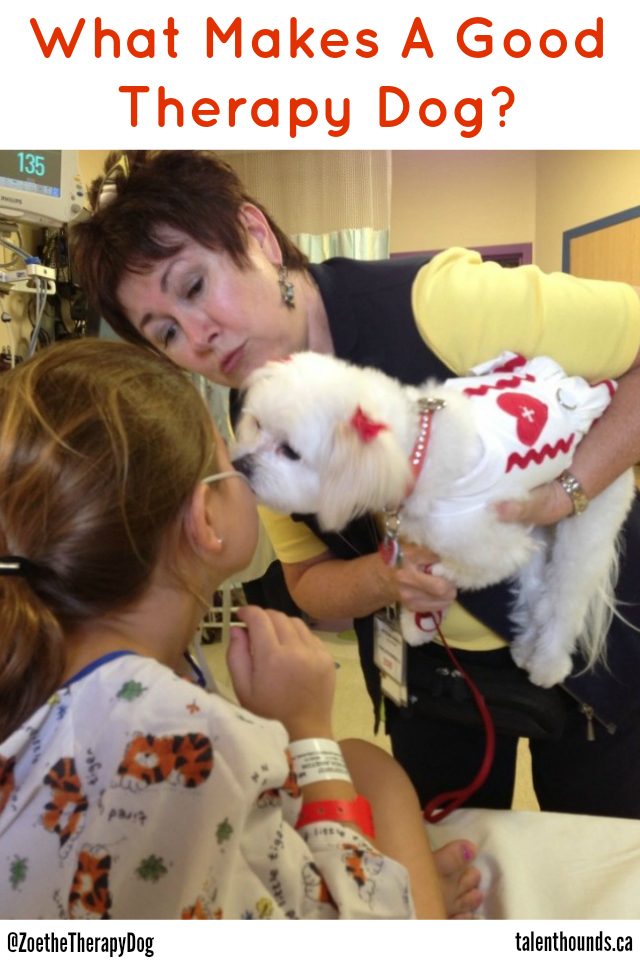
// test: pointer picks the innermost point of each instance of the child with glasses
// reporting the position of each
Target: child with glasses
(126, 790)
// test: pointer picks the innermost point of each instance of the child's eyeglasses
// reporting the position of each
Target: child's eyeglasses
(223, 476)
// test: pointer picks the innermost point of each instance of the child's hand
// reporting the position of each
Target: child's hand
(280, 670)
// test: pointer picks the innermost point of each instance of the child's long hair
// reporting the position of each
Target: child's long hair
(101, 444)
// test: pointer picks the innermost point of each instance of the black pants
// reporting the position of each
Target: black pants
(571, 775)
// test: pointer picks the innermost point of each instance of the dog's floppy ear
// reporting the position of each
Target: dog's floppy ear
(365, 470)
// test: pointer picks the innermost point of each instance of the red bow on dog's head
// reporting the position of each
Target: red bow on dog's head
(366, 428)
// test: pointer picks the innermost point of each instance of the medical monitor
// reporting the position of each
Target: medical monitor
(40, 187)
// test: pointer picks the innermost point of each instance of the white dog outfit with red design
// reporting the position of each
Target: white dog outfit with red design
(320, 436)
(529, 416)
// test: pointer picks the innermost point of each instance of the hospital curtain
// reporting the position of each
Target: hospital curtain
(331, 202)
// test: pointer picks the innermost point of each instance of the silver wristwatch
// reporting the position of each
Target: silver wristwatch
(573, 488)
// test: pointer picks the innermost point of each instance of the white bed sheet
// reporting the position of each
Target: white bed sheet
(548, 866)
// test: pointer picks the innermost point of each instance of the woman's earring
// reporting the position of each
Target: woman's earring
(287, 289)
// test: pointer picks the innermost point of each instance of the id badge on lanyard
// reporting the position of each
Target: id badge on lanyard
(389, 646)
(390, 656)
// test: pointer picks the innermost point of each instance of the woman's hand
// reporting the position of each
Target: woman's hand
(416, 588)
(282, 671)
(545, 505)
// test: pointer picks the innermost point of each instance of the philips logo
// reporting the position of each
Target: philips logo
(15, 200)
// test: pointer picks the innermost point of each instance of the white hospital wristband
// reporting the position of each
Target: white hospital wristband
(315, 759)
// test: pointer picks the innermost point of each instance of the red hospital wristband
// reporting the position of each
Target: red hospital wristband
(356, 811)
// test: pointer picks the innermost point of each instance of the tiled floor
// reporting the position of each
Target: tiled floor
(353, 714)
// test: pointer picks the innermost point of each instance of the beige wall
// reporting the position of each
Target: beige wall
(454, 198)
(442, 199)
(575, 187)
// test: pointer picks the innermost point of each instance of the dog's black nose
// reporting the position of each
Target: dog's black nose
(244, 465)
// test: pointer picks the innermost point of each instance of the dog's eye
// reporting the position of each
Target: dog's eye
(288, 452)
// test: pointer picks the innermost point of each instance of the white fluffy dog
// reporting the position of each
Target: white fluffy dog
(319, 436)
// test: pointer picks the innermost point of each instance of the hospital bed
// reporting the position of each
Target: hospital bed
(547, 866)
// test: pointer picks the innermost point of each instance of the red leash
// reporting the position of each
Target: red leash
(445, 803)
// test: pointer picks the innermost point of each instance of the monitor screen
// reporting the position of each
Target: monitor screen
(35, 171)
(43, 188)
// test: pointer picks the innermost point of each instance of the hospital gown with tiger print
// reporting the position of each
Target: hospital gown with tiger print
(135, 794)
